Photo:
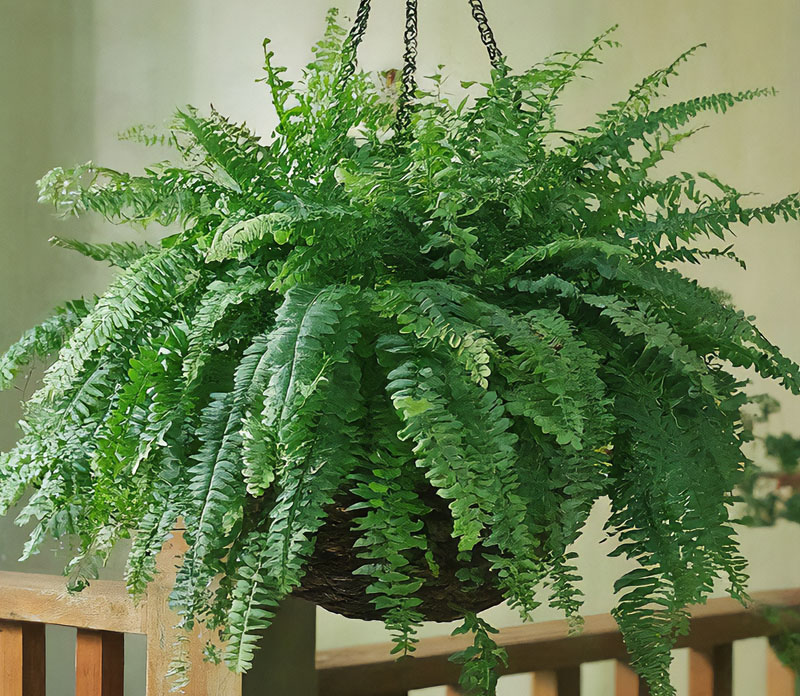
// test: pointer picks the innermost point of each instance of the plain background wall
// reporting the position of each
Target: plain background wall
(76, 73)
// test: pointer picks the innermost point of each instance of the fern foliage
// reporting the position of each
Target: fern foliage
(482, 311)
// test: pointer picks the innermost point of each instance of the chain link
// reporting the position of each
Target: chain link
(409, 79)
(487, 36)
(351, 44)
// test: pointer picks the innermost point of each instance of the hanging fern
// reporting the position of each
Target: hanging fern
(454, 337)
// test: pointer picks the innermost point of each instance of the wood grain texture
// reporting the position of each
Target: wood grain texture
(711, 671)
(10, 659)
(361, 670)
(99, 663)
(205, 679)
(781, 681)
(103, 606)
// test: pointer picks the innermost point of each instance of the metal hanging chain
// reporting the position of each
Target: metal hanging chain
(409, 79)
(487, 36)
(410, 40)
(351, 44)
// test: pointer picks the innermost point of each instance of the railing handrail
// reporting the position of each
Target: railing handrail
(371, 670)
(359, 670)
(102, 613)
(105, 605)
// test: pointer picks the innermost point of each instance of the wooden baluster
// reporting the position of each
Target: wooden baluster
(544, 684)
(99, 663)
(205, 678)
(33, 659)
(10, 658)
(711, 671)
(22, 659)
(626, 681)
(781, 681)
(561, 682)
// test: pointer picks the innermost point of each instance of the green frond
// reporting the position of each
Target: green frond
(439, 314)
(149, 286)
(119, 254)
(216, 486)
(482, 660)
(238, 287)
(164, 195)
(309, 409)
(232, 153)
(253, 603)
(640, 321)
(640, 97)
(156, 524)
(242, 239)
(42, 340)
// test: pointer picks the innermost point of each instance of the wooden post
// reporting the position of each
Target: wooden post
(205, 679)
(711, 671)
(284, 663)
(99, 663)
(22, 659)
(781, 680)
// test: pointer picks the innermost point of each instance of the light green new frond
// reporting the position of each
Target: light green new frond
(436, 313)
(242, 239)
(641, 96)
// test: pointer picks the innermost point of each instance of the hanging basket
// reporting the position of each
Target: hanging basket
(331, 582)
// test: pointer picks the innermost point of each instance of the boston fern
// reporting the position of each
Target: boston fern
(475, 313)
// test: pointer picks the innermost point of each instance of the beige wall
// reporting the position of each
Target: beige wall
(77, 72)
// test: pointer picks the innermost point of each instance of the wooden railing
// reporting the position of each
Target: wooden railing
(104, 613)
(553, 657)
